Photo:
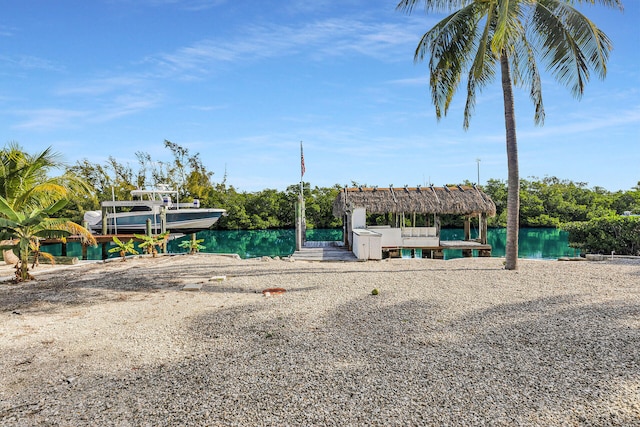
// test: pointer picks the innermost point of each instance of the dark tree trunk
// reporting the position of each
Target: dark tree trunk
(513, 182)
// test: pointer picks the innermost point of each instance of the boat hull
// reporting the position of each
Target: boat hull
(178, 221)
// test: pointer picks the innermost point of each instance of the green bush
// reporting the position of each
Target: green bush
(619, 234)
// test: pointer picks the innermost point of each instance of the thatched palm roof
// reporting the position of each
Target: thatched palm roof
(459, 200)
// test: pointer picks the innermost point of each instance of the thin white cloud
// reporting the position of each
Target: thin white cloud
(98, 86)
(209, 107)
(29, 62)
(190, 5)
(48, 118)
(317, 40)
(581, 124)
(414, 81)
(126, 105)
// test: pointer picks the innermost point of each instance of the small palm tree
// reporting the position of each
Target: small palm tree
(22, 231)
(487, 37)
(151, 244)
(123, 248)
(193, 245)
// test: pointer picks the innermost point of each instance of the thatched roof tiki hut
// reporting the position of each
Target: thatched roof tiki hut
(353, 204)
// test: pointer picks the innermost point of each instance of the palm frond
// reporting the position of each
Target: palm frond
(51, 234)
(45, 255)
(526, 73)
(7, 223)
(437, 6)
(448, 43)
(483, 69)
(56, 206)
(7, 210)
(60, 227)
(617, 4)
(42, 194)
(502, 20)
(24, 180)
(595, 45)
(570, 43)
(81, 231)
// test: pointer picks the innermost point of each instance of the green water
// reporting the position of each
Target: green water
(534, 243)
(254, 243)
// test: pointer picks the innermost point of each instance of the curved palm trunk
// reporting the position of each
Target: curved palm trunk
(513, 180)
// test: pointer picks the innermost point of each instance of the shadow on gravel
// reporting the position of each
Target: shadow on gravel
(546, 361)
(100, 282)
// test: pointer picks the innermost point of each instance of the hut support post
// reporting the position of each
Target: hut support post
(349, 234)
(467, 228)
(467, 236)
(483, 228)
(345, 238)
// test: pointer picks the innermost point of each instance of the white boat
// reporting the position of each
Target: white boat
(156, 205)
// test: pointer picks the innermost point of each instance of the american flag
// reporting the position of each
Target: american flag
(302, 168)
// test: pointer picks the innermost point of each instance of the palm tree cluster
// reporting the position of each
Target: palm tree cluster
(481, 38)
(28, 199)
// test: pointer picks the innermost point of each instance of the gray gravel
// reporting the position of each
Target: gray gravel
(445, 343)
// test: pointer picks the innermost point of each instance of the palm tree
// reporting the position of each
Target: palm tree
(21, 231)
(481, 34)
(24, 179)
(25, 183)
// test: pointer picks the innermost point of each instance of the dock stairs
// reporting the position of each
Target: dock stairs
(324, 251)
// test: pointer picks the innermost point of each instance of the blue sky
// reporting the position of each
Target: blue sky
(243, 82)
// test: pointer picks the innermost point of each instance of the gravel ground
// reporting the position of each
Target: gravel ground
(445, 343)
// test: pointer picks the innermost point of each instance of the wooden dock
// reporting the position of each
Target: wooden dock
(324, 251)
(464, 245)
(336, 251)
(467, 246)
(104, 240)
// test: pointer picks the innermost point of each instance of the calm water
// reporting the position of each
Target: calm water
(540, 243)
(537, 243)
(533, 243)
